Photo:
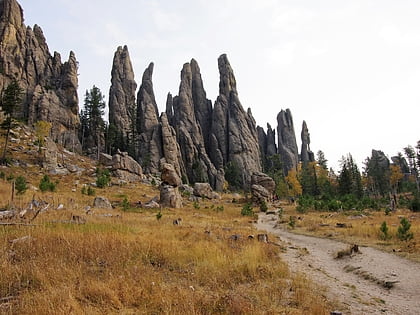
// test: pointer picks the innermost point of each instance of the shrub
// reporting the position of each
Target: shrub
(196, 205)
(384, 234)
(20, 185)
(219, 208)
(125, 204)
(2, 175)
(46, 185)
(292, 222)
(10, 177)
(263, 206)
(403, 232)
(103, 177)
(84, 190)
(159, 215)
(91, 191)
(247, 210)
(414, 204)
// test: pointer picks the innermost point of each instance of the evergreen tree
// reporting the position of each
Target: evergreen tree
(350, 179)
(322, 161)
(412, 162)
(11, 97)
(93, 125)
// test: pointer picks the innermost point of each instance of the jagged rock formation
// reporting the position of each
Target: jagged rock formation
(287, 147)
(267, 144)
(262, 187)
(170, 147)
(198, 165)
(122, 94)
(400, 161)
(234, 136)
(49, 86)
(148, 127)
(306, 155)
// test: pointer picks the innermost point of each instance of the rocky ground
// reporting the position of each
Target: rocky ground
(358, 281)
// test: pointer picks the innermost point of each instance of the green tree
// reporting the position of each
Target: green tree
(92, 122)
(403, 232)
(233, 175)
(322, 161)
(11, 97)
(412, 162)
(350, 179)
(20, 185)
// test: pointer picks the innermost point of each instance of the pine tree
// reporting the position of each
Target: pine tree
(11, 97)
(93, 125)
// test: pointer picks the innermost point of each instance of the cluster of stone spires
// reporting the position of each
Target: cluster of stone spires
(198, 138)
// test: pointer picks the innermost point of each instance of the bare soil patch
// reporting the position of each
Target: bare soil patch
(366, 282)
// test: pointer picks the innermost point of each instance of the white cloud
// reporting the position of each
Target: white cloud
(395, 36)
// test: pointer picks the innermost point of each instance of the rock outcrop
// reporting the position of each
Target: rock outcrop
(287, 146)
(263, 180)
(197, 163)
(204, 190)
(234, 136)
(126, 168)
(170, 197)
(169, 176)
(49, 86)
(306, 155)
(122, 94)
(148, 126)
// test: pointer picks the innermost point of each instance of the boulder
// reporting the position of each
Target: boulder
(204, 190)
(126, 176)
(259, 194)
(169, 176)
(170, 197)
(50, 155)
(152, 204)
(105, 159)
(102, 203)
(263, 180)
(126, 168)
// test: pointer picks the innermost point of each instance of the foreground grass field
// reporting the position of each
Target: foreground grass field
(133, 263)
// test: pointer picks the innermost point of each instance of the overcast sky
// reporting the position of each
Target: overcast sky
(351, 69)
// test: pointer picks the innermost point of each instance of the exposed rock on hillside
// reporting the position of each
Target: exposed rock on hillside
(122, 94)
(49, 86)
(126, 168)
(287, 147)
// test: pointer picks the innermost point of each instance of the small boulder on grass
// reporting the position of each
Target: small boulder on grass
(102, 203)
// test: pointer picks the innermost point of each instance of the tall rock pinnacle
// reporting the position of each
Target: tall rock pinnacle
(122, 94)
(148, 126)
(234, 135)
(287, 147)
(306, 155)
(190, 100)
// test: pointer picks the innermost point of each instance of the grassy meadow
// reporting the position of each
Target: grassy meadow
(134, 263)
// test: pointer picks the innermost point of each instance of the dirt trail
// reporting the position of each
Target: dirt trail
(356, 281)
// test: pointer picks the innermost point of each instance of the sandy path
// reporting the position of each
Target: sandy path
(356, 289)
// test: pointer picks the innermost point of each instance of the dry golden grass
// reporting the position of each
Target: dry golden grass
(132, 263)
(136, 264)
(362, 228)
